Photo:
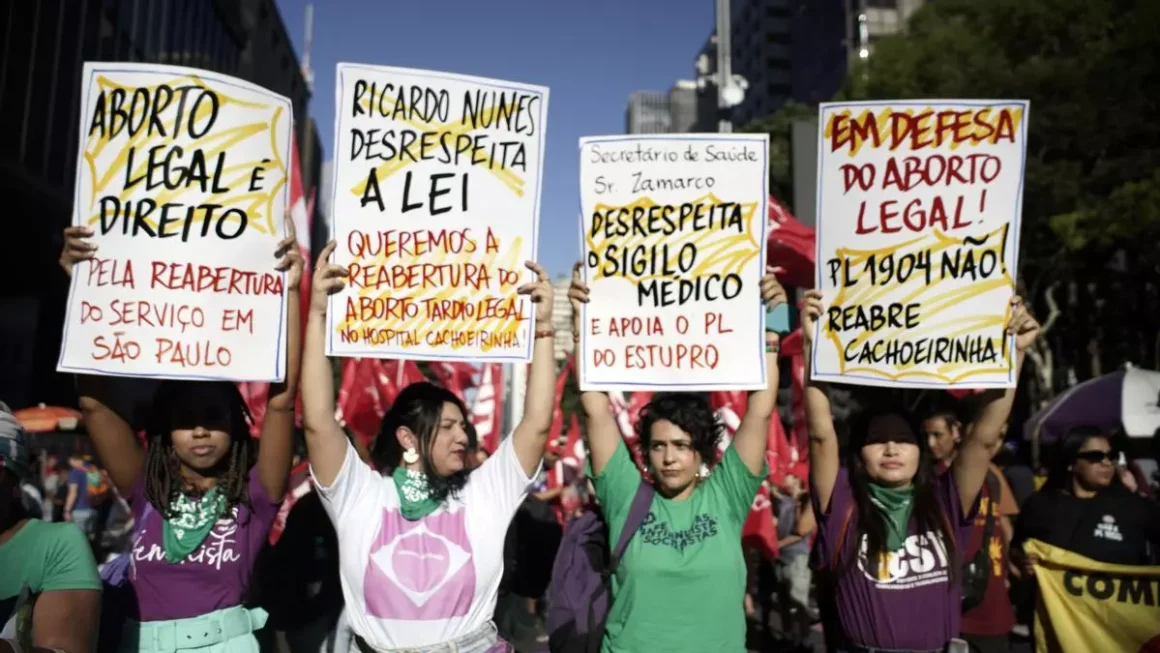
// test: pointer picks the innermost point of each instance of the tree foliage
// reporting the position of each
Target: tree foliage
(779, 126)
(1090, 244)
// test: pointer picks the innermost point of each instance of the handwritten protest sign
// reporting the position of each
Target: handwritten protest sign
(918, 237)
(435, 210)
(673, 232)
(182, 175)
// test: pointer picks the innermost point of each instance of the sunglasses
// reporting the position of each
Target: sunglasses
(1094, 457)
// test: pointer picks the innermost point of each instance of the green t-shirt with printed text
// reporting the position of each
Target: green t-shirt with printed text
(41, 557)
(681, 584)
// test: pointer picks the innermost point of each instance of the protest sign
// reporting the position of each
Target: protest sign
(435, 210)
(182, 175)
(673, 233)
(918, 237)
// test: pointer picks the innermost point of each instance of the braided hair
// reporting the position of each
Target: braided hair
(188, 404)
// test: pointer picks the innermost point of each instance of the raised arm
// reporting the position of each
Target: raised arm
(66, 621)
(824, 458)
(753, 433)
(531, 434)
(985, 433)
(277, 447)
(603, 433)
(326, 442)
(116, 445)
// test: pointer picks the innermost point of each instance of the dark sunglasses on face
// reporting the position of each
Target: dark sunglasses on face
(1094, 457)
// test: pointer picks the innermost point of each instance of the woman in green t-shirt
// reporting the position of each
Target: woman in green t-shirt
(50, 594)
(681, 583)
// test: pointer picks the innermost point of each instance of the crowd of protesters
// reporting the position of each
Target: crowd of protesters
(905, 535)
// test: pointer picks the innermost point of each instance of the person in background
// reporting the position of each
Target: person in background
(795, 525)
(1020, 478)
(77, 507)
(50, 594)
(1084, 508)
(203, 501)
(889, 526)
(52, 482)
(987, 624)
(944, 433)
(681, 583)
(60, 491)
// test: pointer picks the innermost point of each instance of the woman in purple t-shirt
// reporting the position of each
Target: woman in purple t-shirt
(201, 504)
(888, 525)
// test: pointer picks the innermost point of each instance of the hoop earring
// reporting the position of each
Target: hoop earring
(410, 456)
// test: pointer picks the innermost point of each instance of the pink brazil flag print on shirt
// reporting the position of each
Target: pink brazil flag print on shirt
(420, 570)
(407, 583)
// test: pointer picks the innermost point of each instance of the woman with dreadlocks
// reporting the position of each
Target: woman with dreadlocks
(420, 538)
(203, 502)
(890, 529)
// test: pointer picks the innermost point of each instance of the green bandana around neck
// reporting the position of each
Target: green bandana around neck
(895, 507)
(415, 500)
(182, 533)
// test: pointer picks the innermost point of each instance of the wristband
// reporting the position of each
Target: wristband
(545, 333)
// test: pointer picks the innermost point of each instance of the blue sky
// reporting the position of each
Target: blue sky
(591, 53)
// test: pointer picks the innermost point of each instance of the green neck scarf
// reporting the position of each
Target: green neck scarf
(415, 500)
(191, 523)
(895, 507)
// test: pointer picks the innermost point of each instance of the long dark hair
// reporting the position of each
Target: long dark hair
(927, 511)
(687, 411)
(1059, 476)
(419, 408)
(186, 404)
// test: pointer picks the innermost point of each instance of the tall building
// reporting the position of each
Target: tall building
(562, 317)
(683, 106)
(44, 50)
(787, 49)
(647, 113)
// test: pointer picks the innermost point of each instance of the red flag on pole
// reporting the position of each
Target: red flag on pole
(791, 246)
(301, 214)
(485, 413)
(369, 387)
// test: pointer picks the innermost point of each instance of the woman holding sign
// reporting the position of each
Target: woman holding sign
(201, 504)
(889, 527)
(420, 537)
(681, 583)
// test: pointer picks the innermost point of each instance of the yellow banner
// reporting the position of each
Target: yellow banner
(1086, 605)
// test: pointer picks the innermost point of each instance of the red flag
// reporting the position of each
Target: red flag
(557, 428)
(456, 377)
(759, 529)
(369, 387)
(791, 246)
(791, 346)
(485, 413)
(627, 414)
(301, 214)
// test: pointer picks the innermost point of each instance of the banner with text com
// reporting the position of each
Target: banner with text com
(673, 244)
(919, 206)
(435, 210)
(183, 176)
(1085, 605)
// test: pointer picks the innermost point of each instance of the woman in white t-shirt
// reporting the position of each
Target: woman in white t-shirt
(420, 538)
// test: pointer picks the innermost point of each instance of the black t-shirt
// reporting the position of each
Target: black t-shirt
(1115, 526)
